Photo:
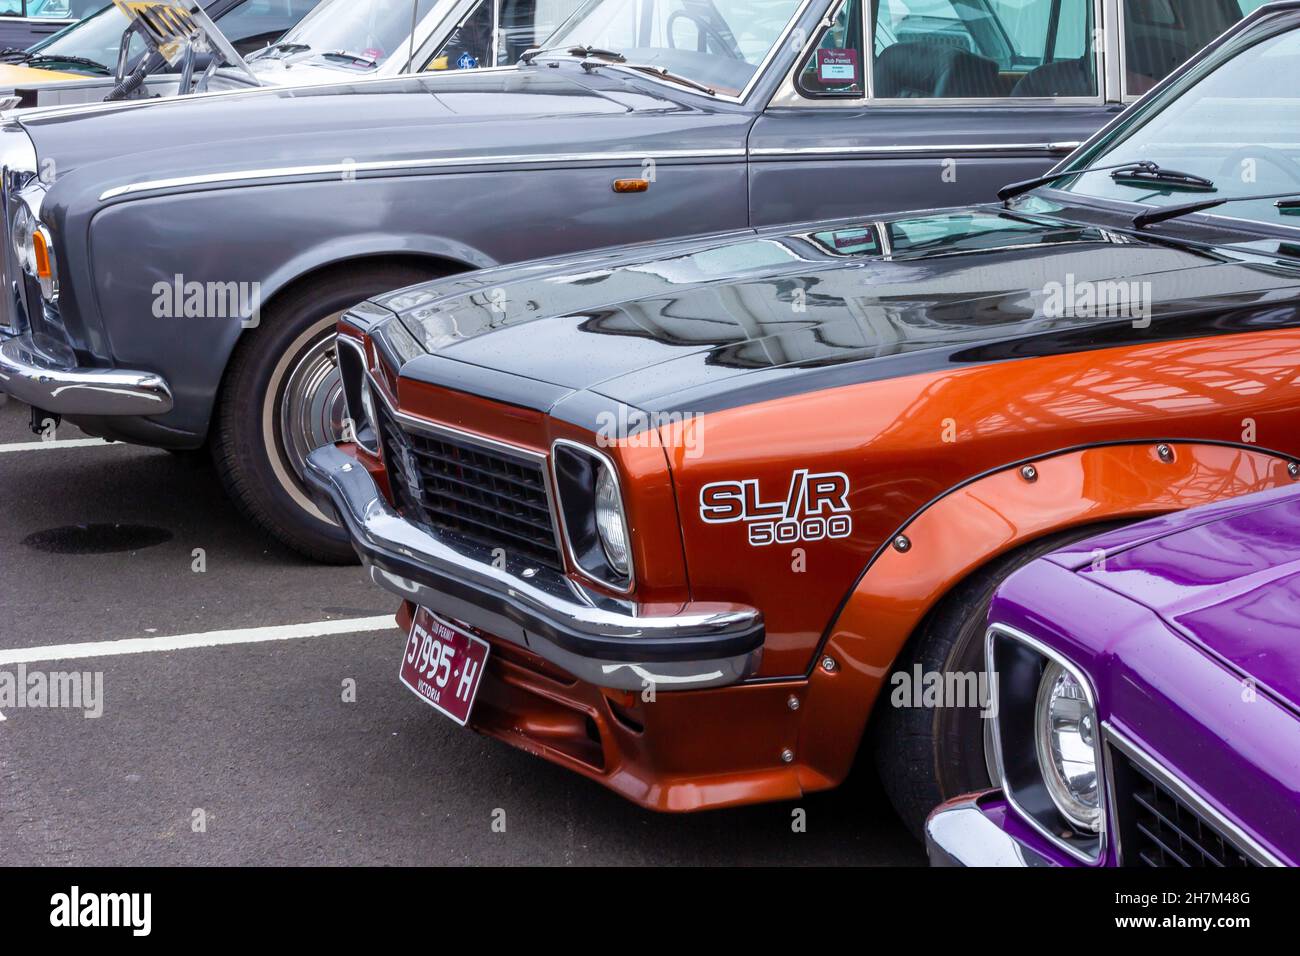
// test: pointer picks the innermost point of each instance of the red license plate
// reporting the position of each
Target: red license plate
(443, 664)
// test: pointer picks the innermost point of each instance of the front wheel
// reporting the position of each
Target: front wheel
(282, 399)
(928, 754)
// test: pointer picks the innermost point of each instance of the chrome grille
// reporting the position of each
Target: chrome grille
(486, 493)
(1159, 828)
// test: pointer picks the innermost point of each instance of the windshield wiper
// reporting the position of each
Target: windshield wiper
(659, 71)
(528, 56)
(1285, 203)
(280, 48)
(1143, 171)
(28, 58)
(354, 57)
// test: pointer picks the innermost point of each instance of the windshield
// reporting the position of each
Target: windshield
(97, 38)
(719, 43)
(368, 32)
(1235, 120)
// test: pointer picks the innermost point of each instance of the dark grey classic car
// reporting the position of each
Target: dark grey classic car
(174, 269)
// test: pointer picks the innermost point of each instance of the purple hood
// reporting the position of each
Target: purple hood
(1188, 627)
(1224, 577)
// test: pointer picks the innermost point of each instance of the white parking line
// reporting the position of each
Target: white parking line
(183, 642)
(44, 445)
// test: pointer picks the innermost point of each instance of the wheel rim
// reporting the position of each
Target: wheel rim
(312, 406)
(302, 409)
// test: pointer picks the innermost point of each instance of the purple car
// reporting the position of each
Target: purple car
(1147, 685)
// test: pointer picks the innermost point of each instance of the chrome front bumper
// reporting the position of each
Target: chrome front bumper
(31, 376)
(958, 833)
(600, 640)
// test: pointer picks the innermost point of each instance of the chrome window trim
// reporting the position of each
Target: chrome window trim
(415, 165)
(437, 429)
(1079, 675)
(1243, 841)
(564, 528)
(788, 96)
(942, 149)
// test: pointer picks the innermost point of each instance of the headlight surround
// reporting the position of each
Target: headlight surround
(1065, 735)
(1048, 742)
(593, 518)
(357, 393)
(34, 250)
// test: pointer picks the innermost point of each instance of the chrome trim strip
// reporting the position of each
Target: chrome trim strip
(412, 165)
(603, 642)
(1056, 657)
(1243, 840)
(608, 463)
(942, 149)
(34, 379)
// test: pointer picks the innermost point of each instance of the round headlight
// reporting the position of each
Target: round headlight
(24, 229)
(1065, 726)
(609, 520)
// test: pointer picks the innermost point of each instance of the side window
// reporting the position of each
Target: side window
(836, 66)
(11, 8)
(47, 9)
(984, 49)
(470, 45)
(1159, 35)
(527, 23)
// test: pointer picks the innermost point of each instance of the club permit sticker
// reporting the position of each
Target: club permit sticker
(837, 67)
(814, 507)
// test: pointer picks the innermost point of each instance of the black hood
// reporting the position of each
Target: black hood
(700, 325)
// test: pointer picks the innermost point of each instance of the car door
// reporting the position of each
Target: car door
(956, 98)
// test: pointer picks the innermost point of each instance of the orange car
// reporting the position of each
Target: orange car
(691, 518)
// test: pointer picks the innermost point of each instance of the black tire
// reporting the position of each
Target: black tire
(249, 446)
(928, 755)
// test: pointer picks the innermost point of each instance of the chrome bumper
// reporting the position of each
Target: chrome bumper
(602, 641)
(959, 834)
(34, 378)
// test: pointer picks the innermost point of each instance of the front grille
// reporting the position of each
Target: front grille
(1159, 828)
(485, 493)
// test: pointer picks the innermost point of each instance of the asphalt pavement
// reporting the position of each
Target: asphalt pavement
(249, 752)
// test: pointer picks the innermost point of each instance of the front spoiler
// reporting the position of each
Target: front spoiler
(34, 378)
(600, 640)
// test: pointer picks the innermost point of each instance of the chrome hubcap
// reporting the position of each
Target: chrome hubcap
(312, 409)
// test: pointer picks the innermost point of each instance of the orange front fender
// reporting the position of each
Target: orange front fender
(976, 522)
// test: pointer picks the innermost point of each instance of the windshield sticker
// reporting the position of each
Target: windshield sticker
(814, 507)
(837, 67)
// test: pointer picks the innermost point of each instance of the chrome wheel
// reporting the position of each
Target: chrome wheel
(312, 408)
(304, 407)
